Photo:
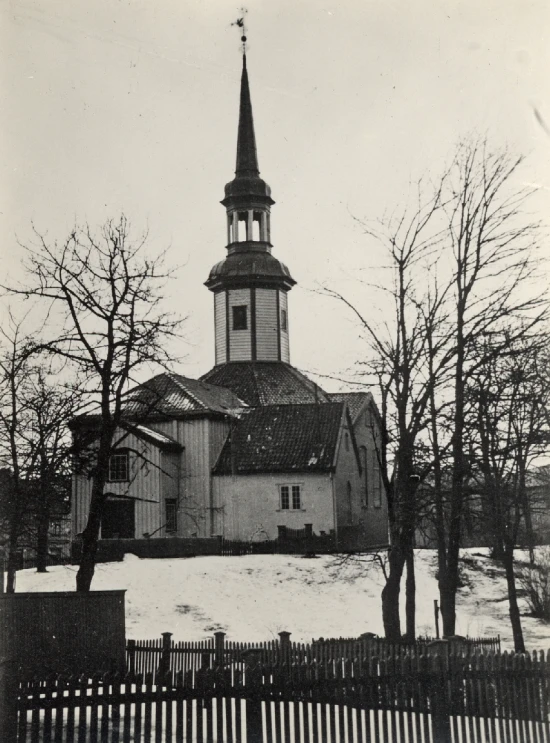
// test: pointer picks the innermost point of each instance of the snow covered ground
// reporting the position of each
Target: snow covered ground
(254, 597)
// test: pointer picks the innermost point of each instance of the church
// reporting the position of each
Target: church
(252, 449)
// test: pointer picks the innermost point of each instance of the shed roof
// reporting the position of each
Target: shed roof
(282, 438)
(173, 395)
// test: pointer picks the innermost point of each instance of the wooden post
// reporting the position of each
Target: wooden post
(219, 640)
(436, 614)
(284, 645)
(164, 666)
(253, 685)
(439, 702)
(131, 657)
(284, 639)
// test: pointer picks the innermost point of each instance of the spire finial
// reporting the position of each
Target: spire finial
(240, 23)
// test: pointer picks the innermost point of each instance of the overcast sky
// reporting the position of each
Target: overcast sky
(132, 105)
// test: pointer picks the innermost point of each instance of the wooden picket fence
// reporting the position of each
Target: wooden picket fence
(415, 699)
(162, 655)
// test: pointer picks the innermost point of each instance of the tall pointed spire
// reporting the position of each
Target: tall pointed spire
(247, 157)
(250, 285)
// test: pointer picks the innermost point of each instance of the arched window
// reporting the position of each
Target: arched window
(350, 502)
(346, 441)
(365, 466)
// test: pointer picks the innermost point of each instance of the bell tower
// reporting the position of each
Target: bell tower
(250, 285)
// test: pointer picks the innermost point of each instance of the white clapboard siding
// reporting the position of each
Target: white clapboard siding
(285, 346)
(266, 325)
(220, 319)
(144, 486)
(240, 346)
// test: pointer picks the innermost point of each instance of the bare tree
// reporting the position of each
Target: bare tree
(14, 371)
(398, 363)
(105, 294)
(508, 399)
(492, 247)
(35, 444)
(463, 263)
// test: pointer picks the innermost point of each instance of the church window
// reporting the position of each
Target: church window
(171, 515)
(240, 317)
(284, 321)
(291, 497)
(118, 467)
(376, 482)
(364, 464)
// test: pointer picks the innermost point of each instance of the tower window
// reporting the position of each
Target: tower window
(257, 227)
(243, 217)
(284, 321)
(240, 317)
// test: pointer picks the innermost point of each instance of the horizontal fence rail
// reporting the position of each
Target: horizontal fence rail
(416, 699)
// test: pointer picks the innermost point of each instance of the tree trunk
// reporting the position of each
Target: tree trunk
(13, 557)
(515, 619)
(42, 540)
(410, 597)
(448, 585)
(390, 595)
(90, 535)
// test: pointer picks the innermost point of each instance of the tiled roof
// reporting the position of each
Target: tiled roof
(282, 438)
(172, 394)
(354, 400)
(266, 383)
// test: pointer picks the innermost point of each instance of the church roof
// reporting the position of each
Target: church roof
(254, 267)
(354, 400)
(282, 438)
(173, 395)
(261, 383)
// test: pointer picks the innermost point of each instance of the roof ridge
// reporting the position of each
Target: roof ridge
(185, 390)
(297, 373)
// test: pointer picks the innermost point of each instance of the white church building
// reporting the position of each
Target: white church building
(254, 447)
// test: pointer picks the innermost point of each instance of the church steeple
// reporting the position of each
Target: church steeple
(250, 286)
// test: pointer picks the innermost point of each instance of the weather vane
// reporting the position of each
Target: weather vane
(240, 24)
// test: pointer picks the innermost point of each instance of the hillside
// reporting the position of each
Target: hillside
(252, 598)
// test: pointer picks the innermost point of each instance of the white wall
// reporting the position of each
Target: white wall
(248, 504)
(266, 325)
(144, 486)
(285, 345)
(220, 319)
(240, 345)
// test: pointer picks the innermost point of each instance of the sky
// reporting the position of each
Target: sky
(129, 105)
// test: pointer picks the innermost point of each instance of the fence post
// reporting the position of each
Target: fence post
(253, 695)
(164, 665)
(219, 643)
(131, 657)
(440, 703)
(284, 644)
